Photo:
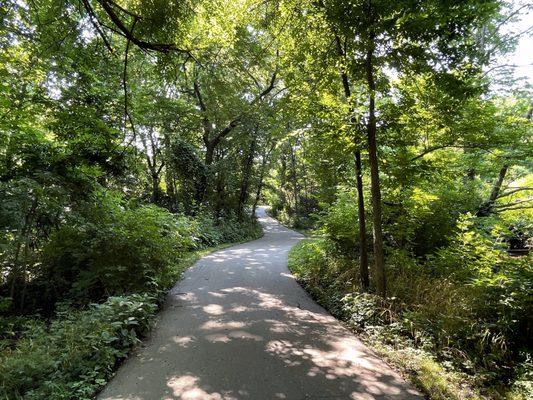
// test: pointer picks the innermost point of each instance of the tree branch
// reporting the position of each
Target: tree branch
(445, 146)
(510, 192)
(270, 87)
(235, 121)
(501, 207)
(213, 142)
(510, 208)
(198, 95)
(125, 86)
(107, 5)
(512, 14)
(96, 23)
(208, 127)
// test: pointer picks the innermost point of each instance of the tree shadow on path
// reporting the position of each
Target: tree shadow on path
(238, 326)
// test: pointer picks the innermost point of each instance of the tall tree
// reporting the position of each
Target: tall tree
(422, 35)
(363, 253)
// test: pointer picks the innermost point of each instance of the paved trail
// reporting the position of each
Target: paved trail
(238, 326)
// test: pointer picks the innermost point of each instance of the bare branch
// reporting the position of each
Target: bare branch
(504, 66)
(508, 39)
(512, 14)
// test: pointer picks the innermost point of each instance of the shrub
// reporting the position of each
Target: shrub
(340, 221)
(433, 215)
(233, 230)
(208, 234)
(470, 306)
(74, 356)
(127, 251)
(311, 262)
(135, 252)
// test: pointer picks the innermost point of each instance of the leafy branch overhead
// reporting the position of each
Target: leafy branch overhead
(396, 134)
(120, 18)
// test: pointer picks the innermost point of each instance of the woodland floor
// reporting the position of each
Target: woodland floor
(238, 326)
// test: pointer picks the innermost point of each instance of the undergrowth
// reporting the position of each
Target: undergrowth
(110, 280)
(456, 341)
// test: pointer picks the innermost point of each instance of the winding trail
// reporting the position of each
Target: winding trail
(238, 326)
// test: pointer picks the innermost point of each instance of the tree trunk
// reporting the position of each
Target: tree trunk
(258, 193)
(379, 259)
(283, 179)
(220, 185)
(486, 208)
(247, 170)
(202, 187)
(264, 162)
(171, 189)
(220, 193)
(209, 154)
(363, 253)
(294, 179)
(18, 272)
(169, 176)
(155, 187)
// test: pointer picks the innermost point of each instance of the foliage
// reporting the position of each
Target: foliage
(115, 250)
(339, 221)
(134, 133)
(137, 253)
(76, 353)
(476, 323)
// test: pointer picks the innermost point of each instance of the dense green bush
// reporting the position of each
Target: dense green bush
(340, 221)
(432, 215)
(470, 305)
(75, 355)
(114, 250)
(104, 248)
(134, 252)
(208, 233)
(414, 222)
(234, 230)
(302, 215)
(493, 319)
(109, 247)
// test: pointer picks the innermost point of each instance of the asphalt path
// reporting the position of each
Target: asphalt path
(238, 326)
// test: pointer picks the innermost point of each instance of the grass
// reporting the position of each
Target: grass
(429, 376)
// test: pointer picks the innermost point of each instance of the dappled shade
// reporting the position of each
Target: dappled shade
(239, 327)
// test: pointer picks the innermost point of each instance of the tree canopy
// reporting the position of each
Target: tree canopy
(133, 129)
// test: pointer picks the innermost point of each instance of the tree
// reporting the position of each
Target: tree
(405, 36)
